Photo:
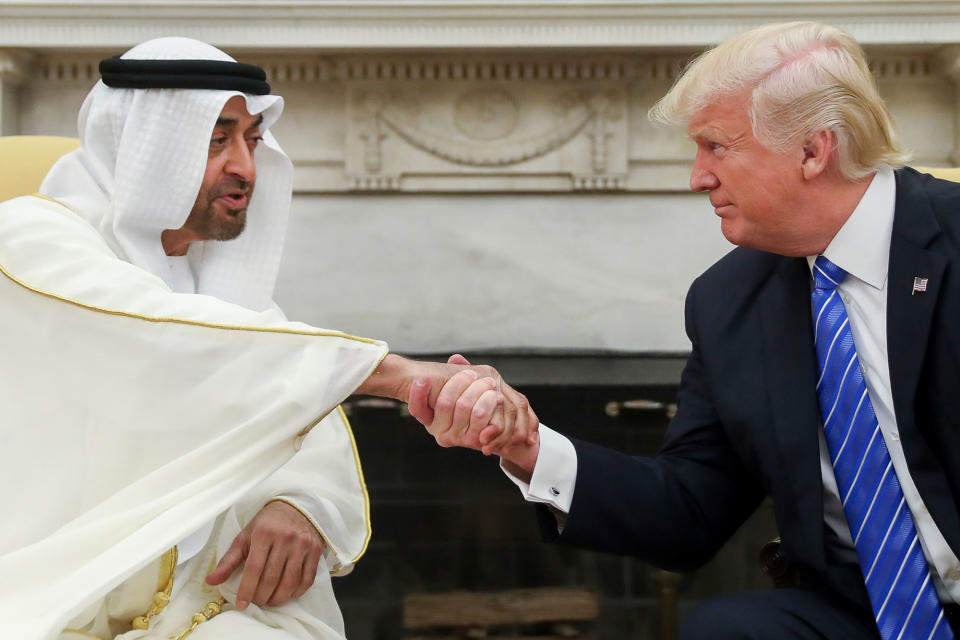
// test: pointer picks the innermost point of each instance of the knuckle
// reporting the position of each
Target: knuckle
(444, 405)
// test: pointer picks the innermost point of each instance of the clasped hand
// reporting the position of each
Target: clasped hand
(474, 408)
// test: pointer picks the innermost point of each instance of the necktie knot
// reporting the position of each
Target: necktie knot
(827, 275)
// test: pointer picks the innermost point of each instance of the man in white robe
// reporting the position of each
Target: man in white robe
(159, 413)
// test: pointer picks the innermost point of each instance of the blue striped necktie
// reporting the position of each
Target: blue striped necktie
(903, 597)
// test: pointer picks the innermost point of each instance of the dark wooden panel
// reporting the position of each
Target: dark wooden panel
(515, 606)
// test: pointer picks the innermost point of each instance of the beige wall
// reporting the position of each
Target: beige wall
(507, 192)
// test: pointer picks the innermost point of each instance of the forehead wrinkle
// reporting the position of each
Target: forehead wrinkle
(712, 133)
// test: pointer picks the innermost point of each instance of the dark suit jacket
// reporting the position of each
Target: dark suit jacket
(748, 419)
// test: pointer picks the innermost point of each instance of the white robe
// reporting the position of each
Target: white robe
(130, 416)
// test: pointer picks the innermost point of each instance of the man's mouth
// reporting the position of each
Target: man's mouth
(234, 200)
(718, 208)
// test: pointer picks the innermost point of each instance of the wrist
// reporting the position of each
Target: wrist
(391, 379)
(521, 460)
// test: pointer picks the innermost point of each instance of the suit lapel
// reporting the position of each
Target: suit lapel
(909, 319)
(909, 313)
(790, 368)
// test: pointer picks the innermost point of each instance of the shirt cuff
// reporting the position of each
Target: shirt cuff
(555, 474)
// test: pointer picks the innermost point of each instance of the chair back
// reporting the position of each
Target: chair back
(26, 161)
(951, 173)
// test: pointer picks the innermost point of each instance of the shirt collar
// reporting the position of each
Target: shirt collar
(862, 245)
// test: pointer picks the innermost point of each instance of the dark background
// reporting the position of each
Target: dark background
(448, 519)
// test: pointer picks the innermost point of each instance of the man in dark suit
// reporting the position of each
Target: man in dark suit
(797, 152)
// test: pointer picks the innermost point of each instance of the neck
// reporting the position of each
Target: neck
(176, 241)
(835, 204)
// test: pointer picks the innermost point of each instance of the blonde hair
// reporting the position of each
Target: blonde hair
(804, 77)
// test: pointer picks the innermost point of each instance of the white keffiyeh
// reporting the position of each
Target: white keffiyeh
(131, 195)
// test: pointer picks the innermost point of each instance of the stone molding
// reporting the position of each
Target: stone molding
(482, 122)
(300, 68)
(380, 24)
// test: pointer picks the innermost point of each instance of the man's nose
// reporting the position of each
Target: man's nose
(703, 180)
(240, 163)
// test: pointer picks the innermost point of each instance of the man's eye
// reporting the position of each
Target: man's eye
(218, 141)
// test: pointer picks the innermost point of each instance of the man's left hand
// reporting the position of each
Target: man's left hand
(279, 550)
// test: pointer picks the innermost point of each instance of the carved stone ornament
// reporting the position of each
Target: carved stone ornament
(486, 114)
(15, 65)
(440, 136)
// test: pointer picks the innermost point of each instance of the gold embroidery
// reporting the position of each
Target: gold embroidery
(363, 487)
(363, 483)
(193, 323)
(210, 610)
(168, 566)
(196, 323)
(46, 197)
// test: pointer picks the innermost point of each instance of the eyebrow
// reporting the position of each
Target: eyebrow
(230, 122)
(705, 133)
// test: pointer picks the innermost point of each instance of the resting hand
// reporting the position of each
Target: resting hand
(280, 550)
(474, 409)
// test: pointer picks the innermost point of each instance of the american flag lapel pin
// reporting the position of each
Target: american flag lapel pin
(919, 285)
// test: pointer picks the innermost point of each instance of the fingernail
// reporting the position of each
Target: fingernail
(420, 383)
(242, 604)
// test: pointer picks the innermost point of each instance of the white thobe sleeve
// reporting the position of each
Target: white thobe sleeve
(314, 481)
(304, 483)
(301, 483)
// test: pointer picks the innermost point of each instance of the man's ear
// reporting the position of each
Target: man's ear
(816, 153)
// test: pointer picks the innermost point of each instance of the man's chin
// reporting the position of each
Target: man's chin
(229, 224)
(730, 231)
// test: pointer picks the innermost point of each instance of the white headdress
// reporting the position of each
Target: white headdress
(139, 168)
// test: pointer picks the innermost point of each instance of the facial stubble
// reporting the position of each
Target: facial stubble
(208, 224)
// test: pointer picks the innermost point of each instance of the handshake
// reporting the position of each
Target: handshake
(462, 405)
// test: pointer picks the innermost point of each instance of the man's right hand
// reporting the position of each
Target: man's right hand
(480, 413)
(508, 418)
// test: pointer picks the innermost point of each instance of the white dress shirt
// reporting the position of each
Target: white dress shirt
(861, 248)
